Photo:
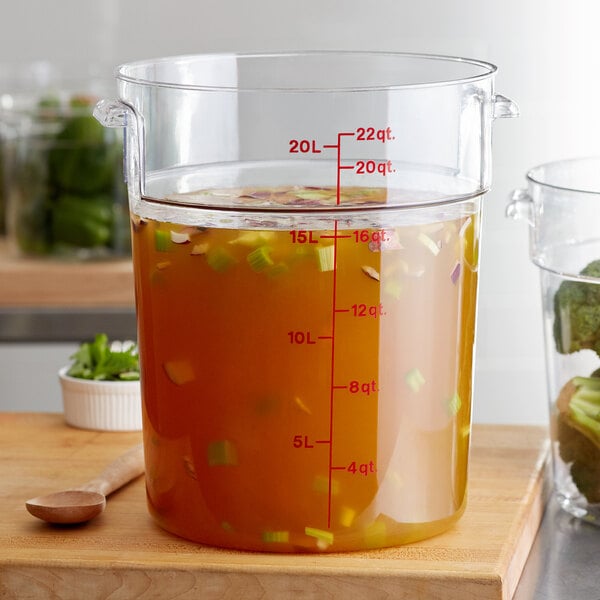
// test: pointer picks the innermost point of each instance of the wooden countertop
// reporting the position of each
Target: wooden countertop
(31, 282)
(123, 554)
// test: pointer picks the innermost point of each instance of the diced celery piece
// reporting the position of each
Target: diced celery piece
(222, 452)
(227, 526)
(162, 240)
(219, 259)
(347, 516)
(276, 536)
(394, 288)
(414, 379)
(260, 259)
(454, 404)
(325, 258)
(320, 534)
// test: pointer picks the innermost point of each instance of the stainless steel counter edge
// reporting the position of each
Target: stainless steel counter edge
(563, 562)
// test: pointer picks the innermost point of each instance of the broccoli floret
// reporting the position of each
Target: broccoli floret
(577, 313)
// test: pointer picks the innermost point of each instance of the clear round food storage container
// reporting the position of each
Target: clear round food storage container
(64, 191)
(562, 206)
(305, 243)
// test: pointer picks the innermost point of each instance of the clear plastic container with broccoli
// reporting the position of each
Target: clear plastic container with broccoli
(66, 197)
(562, 207)
(573, 313)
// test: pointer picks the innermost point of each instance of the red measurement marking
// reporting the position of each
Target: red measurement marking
(339, 173)
(324, 337)
(342, 310)
(337, 468)
(322, 441)
(334, 237)
(332, 374)
(339, 387)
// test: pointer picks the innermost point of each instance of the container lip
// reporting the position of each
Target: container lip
(534, 175)
(122, 72)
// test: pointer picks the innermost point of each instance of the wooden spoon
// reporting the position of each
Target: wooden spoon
(87, 501)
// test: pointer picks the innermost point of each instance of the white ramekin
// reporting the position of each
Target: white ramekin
(101, 405)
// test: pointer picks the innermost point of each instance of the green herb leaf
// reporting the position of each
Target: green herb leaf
(96, 360)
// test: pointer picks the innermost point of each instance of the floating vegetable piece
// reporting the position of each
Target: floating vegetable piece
(325, 258)
(178, 237)
(370, 272)
(276, 536)
(252, 238)
(307, 194)
(227, 526)
(414, 379)
(394, 288)
(179, 372)
(162, 240)
(219, 259)
(430, 244)
(321, 485)
(260, 259)
(455, 273)
(321, 534)
(302, 406)
(199, 249)
(454, 404)
(222, 453)
(163, 264)
(347, 516)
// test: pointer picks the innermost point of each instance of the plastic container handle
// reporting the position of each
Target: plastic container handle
(112, 113)
(115, 113)
(504, 108)
(520, 206)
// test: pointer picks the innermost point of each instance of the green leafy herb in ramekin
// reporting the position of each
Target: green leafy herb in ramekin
(101, 360)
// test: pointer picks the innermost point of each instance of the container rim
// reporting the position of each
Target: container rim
(535, 175)
(129, 72)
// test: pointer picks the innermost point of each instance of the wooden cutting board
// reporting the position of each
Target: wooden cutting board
(123, 554)
(43, 283)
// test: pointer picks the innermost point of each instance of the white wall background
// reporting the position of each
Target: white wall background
(548, 52)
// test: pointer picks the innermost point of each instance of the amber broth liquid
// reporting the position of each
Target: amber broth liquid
(306, 390)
